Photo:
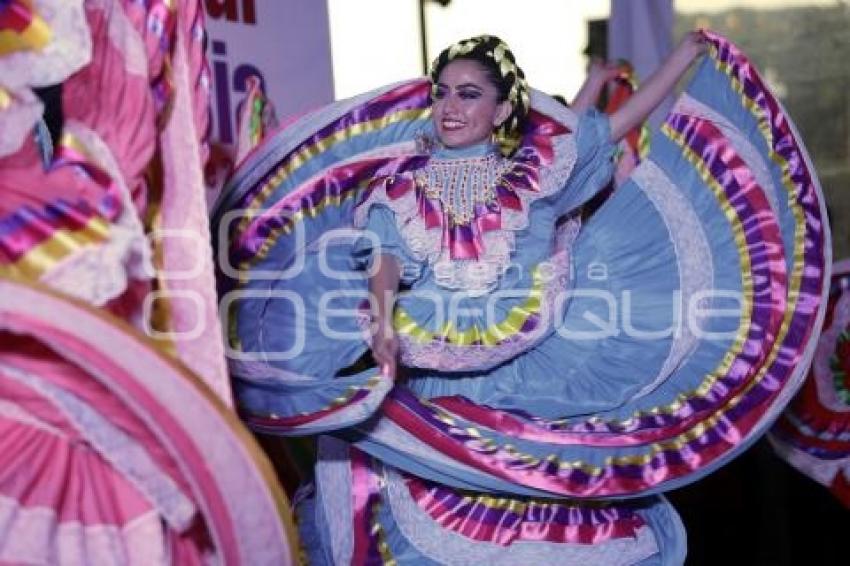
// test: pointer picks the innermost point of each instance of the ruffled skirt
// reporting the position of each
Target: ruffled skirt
(691, 318)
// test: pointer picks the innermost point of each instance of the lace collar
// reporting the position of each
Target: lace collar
(469, 245)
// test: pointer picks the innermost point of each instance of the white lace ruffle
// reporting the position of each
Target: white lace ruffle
(426, 244)
(68, 50)
(125, 455)
(827, 344)
(444, 356)
(18, 119)
(99, 273)
(95, 273)
(692, 107)
(693, 255)
(36, 535)
(448, 547)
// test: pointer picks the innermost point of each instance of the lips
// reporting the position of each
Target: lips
(450, 124)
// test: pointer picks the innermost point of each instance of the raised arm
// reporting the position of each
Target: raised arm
(598, 75)
(383, 286)
(657, 86)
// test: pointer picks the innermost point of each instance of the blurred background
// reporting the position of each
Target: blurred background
(757, 510)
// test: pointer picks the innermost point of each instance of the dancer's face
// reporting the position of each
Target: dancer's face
(466, 106)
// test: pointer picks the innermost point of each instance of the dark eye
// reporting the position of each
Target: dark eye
(469, 94)
(439, 93)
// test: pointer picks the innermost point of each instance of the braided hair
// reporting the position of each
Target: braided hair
(499, 64)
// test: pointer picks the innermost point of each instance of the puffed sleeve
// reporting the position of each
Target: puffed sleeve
(594, 166)
(381, 236)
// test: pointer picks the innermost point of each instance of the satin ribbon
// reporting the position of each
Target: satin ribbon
(32, 240)
(21, 28)
(369, 548)
(505, 520)
(286, 423)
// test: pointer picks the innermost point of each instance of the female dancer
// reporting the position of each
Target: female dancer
(534, 373)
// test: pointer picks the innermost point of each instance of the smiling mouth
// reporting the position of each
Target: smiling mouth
(452, 125)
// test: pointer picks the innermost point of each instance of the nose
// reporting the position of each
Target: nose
(451, 102)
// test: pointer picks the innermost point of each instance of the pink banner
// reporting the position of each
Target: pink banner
(287, 44)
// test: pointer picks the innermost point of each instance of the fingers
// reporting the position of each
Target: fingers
(253, 83)
(388, 369)
(693, 45)
(385, 352)
(386, 364)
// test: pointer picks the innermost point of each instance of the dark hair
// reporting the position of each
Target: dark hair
(499, 64)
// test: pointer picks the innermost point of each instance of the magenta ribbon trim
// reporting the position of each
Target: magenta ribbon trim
(538, 521)
(410, 96)
(337, 184)
(27, 227)
(765, 249)
(365, 494)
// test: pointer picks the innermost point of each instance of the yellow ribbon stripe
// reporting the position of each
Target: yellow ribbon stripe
(47, 254)
(34, 37)
(490, 336)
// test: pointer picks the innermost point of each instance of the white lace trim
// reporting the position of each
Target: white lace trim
(821, 470)
(825, 349)
(68, 50)
(385, 432)
(18, 119)
(693, 255)
(426, 244)
(121, 451)
(35, 535)
(448, 547)
(99, 273)
(94, 273)
(824, 435)
(690, 106)
(444, 356)
(333, 487)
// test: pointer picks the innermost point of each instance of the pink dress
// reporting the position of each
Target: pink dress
(106, 451)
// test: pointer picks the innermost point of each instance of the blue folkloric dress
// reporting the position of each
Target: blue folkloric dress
(561, 377)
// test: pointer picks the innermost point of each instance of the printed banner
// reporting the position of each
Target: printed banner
(285, 43)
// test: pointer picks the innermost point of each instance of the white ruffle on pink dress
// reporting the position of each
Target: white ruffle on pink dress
(112, 449)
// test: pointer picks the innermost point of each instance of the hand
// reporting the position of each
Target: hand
(385, 348)
(600, 70)
(693, 44)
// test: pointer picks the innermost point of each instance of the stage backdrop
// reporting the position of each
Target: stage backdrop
(285, 42)
(641, 31)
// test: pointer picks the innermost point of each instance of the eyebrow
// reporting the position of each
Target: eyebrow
(462, 86)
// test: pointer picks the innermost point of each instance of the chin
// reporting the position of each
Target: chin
(457, 142)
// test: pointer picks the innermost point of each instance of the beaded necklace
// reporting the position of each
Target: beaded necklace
(462, 185)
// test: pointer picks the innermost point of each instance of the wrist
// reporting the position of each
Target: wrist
(383, 320)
